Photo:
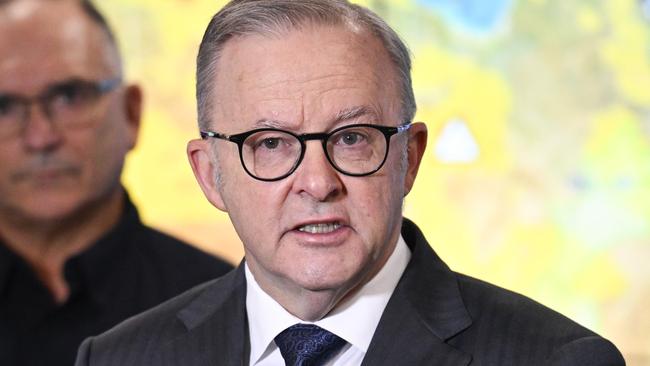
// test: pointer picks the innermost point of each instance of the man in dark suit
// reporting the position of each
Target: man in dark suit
(333, 275)
(75, 259)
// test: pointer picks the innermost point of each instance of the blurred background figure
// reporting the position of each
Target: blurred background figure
(75, 258)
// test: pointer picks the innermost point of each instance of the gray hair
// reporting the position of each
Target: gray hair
(269, 17)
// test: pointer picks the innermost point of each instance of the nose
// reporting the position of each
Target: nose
(315, 177)
(40, 132)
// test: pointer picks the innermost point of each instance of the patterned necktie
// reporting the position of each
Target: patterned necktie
(307, 345)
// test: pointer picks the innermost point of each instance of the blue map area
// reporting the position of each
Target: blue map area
(480, 17)
(645, 6)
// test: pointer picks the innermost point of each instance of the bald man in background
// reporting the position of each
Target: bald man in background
(74, 257)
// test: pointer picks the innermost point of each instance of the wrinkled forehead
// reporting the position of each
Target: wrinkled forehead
(46, 41)
(310, 74)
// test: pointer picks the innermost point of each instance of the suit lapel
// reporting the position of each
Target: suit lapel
(426, 309)
(403, 338)
(217, 330)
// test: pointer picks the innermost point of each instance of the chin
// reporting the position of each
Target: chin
(326, 277)
(47, 209)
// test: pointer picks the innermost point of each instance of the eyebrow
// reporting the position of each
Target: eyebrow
(270, 123)
(342, 116)
(354, 112)
(66, 82)
(49, 88)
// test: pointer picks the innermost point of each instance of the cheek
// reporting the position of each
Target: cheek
(380, 193)
(370, 203)
(9, 160)
(244, 193)
(376, 205)
(101, 150)
(89, 148)
(9, 155)
(256, 216)
(253, 205)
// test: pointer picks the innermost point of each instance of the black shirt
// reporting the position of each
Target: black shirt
(129, 270)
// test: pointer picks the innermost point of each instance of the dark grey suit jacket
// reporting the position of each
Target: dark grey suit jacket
(435, 317)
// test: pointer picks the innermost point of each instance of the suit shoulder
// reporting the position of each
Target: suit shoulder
(486, 301)
(587, 351)
(136, 339)
(523, 331)
(162, 315)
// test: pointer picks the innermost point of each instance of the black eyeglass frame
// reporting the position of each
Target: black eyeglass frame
(101, 87)
(239, 139)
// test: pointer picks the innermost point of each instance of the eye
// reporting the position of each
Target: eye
(72, 94)
(4, 106)
(8, 106)
(350, 138)
(267, 141)
(270, 143)
(67, 94)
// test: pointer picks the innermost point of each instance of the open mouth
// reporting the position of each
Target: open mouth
(320, 228)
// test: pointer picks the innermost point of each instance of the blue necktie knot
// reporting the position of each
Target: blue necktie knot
(307, 345)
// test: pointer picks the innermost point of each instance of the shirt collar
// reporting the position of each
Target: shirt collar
(355, 320)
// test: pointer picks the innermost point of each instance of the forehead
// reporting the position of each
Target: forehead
(304, 75)
(46, 41)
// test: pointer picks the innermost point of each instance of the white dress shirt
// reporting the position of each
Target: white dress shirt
(355, 321)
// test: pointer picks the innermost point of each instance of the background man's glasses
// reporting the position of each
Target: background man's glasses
(69, 104)
(270, 154)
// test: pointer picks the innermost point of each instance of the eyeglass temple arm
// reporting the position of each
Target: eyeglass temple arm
(216, 135)
(404, 127)
(109, 84)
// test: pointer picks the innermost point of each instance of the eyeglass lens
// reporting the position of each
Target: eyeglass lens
(69, 104)
(355, 150)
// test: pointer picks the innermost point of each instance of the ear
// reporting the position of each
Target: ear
(199, 153)
(416, 145)
(133, 112)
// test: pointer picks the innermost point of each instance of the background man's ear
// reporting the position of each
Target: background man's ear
(417, 144)
(199, 153)
(133, 111)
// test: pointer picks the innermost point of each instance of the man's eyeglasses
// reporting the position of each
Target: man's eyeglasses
(69, 104)
(270, 154)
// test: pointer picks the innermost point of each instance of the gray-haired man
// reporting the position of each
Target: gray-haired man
(305, 111)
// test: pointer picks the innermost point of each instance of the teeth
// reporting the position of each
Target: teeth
(320, 228)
